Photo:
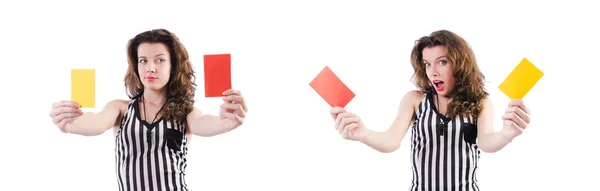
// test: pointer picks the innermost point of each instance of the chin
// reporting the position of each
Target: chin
(154, 87)
(442, 93)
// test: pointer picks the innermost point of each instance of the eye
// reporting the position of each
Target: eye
(443, 62)
(427, 64)
(161, 60)
(142, 61)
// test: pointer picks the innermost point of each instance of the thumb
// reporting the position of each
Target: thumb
(335, 111)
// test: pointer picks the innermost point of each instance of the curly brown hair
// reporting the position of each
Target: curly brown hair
(181, 87)
(469, 81)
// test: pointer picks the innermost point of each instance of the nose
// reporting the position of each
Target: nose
(151, 68)
(434, 70)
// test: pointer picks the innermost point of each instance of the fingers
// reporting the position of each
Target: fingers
(57, 116)
(233, 98)
(233, 108)
(519, 103)
(231, 92)
(339, 116)
(65, 116)
(335, 111)
(347, 121)
(515, 119)
(232, 116)
(238, 99)
(347, 133)
(60, 110)
(69, 115)
(344, 119)
(57, 120)
(511, 129)
(520, 113)
(338, 120)
(65, 103)
(516, 116)
(65, 113)
(64, 109)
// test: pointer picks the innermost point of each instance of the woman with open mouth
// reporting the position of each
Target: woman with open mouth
(450, 117)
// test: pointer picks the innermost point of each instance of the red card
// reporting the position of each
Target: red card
(331, 88)
(217, 74)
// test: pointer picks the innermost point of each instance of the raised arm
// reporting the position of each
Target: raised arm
(89, 123)
(205, 125)
(231, 115)
(386, 141)
(515, 120)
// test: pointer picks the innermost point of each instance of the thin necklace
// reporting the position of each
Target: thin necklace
(144, 105)
(149, 134)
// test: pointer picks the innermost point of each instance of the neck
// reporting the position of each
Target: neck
(442, 102)
(155, 97)
(444, 99)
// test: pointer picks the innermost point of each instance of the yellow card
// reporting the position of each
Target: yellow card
(521, 80)
(83, 87)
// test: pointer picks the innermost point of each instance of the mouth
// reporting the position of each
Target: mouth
(439, 85)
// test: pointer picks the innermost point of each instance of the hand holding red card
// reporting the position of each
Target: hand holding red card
(217, 74)
(331, 88)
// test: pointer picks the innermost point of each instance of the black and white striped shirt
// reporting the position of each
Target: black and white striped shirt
(150, 157)
(444, 152)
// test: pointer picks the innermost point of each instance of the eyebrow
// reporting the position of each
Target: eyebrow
(161, 54)
(436, 58)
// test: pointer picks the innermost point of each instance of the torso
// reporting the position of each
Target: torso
(150, 156)
(123, 107)
(443, 156)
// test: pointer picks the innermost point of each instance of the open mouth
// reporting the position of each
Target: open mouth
(438, 84)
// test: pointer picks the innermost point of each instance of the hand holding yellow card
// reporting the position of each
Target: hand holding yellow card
(83, 87)
(521, 80)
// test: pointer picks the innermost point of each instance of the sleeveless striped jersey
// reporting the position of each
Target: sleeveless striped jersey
(444, 152)
(150, 157)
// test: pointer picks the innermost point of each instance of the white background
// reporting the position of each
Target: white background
(288, 141)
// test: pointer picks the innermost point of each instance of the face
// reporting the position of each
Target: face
(438, 69)
(154, 65)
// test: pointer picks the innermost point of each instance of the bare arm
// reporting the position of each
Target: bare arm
(390, 140)
(231, 115)
(205, 125)
(515, 120)
(489, 141)
(351, 127)
(91, 124)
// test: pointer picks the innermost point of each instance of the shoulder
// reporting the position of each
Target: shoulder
(411, 101)
(487, 110)
(194, 113)
(486, 103)
(414, 97)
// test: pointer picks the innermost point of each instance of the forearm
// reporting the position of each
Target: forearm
(381, 141)
(493, 142)
(208, 125)
(88, 124)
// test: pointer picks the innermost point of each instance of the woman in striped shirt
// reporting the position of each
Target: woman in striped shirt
(153, 129)
(450, 117)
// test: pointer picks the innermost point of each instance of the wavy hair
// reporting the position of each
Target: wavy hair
(181, 86)
(469, 88)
